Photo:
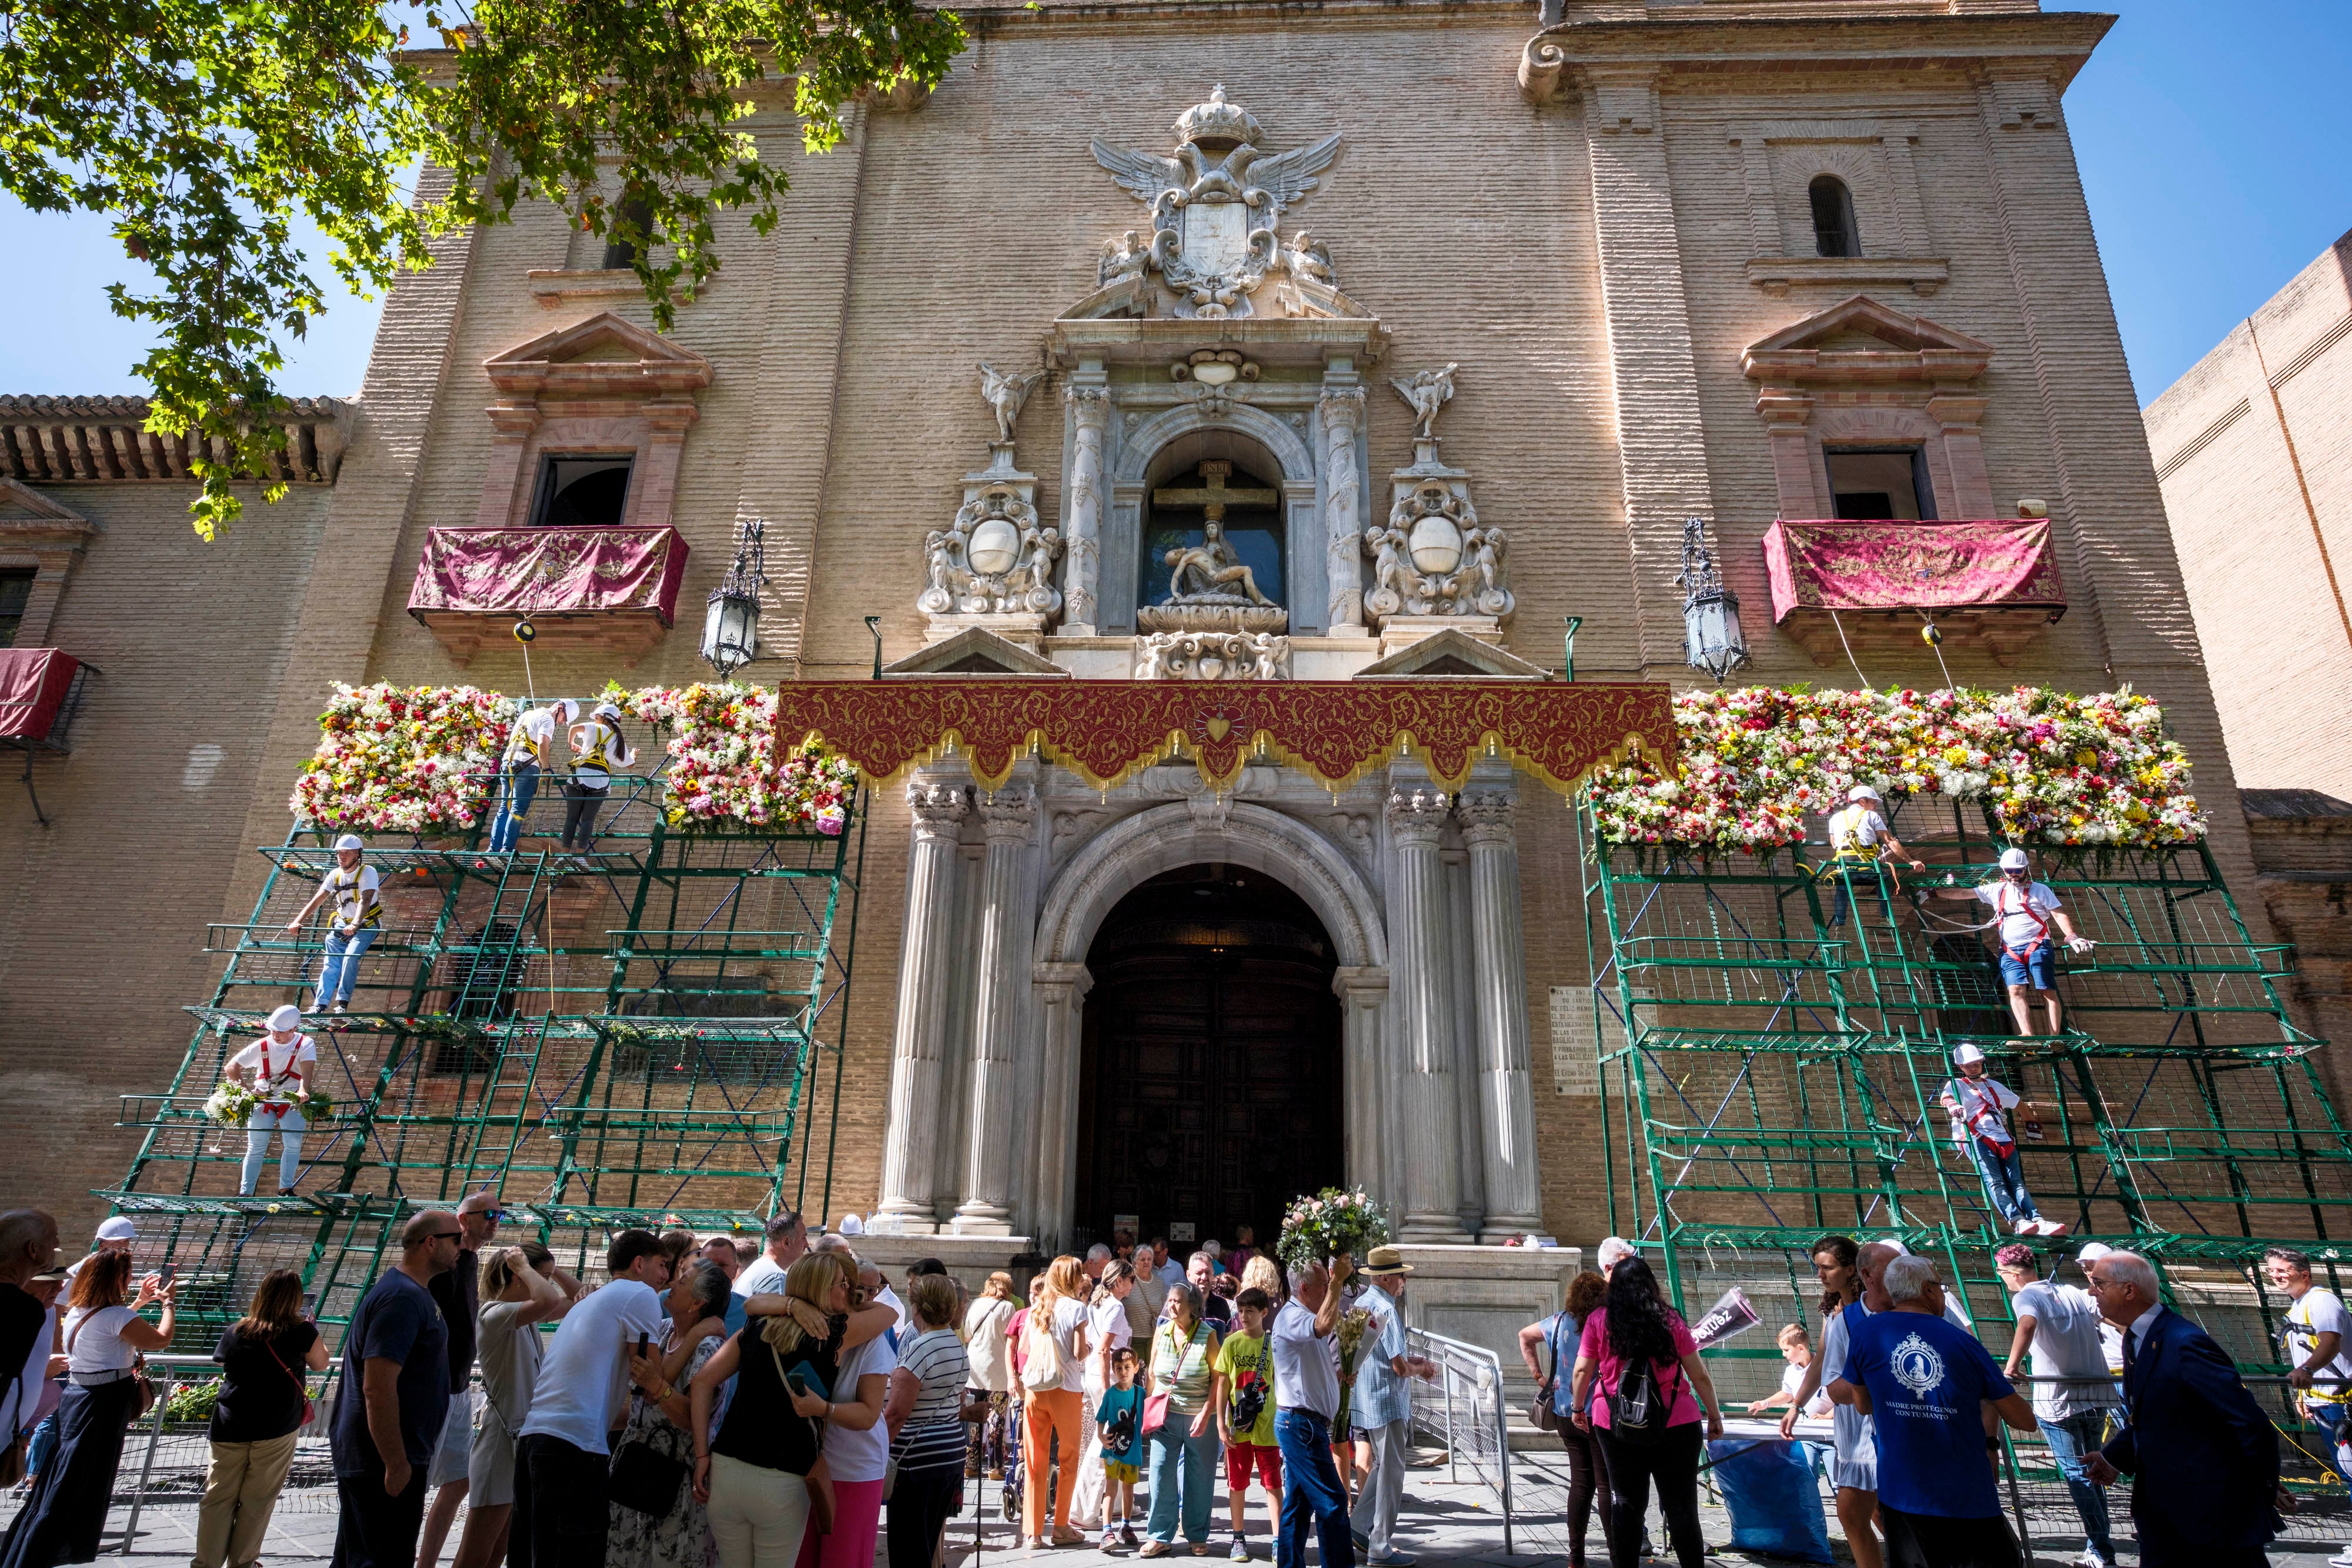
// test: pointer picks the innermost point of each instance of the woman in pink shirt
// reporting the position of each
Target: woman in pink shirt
(1649, 1390)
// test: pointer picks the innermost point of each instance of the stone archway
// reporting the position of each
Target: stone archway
(1213, 829)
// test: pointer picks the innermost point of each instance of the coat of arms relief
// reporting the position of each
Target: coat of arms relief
(1216, 212)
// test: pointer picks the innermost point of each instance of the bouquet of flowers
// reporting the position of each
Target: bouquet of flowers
(1331, 1223)
(2052, 766)
(231, 1104)
(315, 1107)
(1350, 1334)
(410, 759)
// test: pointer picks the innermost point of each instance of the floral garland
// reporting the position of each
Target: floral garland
(232, 1103)
(723, 766)
(409, 759)
(1321, 1227)
(2052, 767)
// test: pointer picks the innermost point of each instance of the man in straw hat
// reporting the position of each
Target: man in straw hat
(1381, 1407)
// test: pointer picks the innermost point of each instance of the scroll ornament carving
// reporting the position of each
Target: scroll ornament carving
(1213, 656)
(1342, 409)
(1487, 816)
(1434, 557)
(1007, 815)
(939, 809)
(995, 558)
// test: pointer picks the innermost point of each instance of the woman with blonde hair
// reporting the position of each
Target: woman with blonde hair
(992, 1374)
(1262, 1273)
(1054, 1372)
(753, 1476)
(264, 1401)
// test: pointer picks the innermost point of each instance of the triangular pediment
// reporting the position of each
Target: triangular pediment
(1452, 654)
(1862, 339)
(974, 651)
(602, 354)
(26, 513)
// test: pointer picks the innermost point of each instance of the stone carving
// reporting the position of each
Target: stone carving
(1216, 207)
(1006, 394)
(1208, 589)
(1007, 815)
(1342, 409)
(938, 809)
(1416, 817)
(994, 560)
(1427, 391)
(1212, 656)
(1089, 414)
(1310, 258)
(1433, 558)
(1487, 816)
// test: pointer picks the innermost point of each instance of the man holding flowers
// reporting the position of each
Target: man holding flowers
(1306, 1401)
(277, 1067)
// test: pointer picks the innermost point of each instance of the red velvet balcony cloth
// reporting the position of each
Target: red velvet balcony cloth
(1904, 566)
(549, 572)
(33, 686)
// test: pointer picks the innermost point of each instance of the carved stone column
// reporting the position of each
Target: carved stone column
(1421, 1071)
(1342, 409)
(1363, 994)
(910, 1149)
(1090, 412)
(1060, 994)
(1009, 818)
(1499, 976)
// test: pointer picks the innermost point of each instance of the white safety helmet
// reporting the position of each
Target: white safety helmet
(351, 842)
(2012, 859)
(1966, 1053)
(607, 710)
(286, 1018)
(1861, 792)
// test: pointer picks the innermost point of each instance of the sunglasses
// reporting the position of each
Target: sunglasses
(448, 1236)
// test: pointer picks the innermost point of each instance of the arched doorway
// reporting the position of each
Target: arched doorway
(1209, 1091)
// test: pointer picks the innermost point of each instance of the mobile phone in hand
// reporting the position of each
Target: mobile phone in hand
(797, 1384)
(166, 1271)
(644, 1344)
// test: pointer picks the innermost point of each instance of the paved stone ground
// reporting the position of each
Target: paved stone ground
(1446, 1521)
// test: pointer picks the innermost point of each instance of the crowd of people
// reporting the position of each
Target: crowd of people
(714, 1404)
(2120, 1385)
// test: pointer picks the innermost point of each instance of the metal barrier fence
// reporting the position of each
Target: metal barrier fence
(166, 1453)
(1464, 1407)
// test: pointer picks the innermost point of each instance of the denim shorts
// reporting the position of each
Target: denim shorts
(2039, 970)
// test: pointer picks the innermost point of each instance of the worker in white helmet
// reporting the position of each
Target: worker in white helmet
(1859, 840)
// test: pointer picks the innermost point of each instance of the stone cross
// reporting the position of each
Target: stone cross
(1213, 497)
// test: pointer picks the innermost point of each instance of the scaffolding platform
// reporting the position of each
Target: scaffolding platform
(629, 1037)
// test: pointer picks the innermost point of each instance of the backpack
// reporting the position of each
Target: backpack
(1041, 1355)
(1635, 1412)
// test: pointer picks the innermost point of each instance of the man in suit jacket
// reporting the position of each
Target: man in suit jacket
(2203, 1460)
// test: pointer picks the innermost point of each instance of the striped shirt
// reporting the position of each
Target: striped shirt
(933, 1435)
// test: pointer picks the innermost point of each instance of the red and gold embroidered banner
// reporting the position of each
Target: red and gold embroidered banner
(1334, 731)
(1905, 566)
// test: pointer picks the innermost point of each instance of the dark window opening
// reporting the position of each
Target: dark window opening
(582, 491)
(16, 592)
(620, 255)
(1834, 233)
(1872, 484)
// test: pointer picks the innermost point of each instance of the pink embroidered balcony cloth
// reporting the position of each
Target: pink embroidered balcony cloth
(549, 572)
(2001, 564)
(33, 686)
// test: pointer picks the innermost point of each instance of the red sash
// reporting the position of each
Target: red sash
(1980, 1110)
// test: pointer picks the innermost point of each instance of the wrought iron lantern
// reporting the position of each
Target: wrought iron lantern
(1711, 639)
(730, 626)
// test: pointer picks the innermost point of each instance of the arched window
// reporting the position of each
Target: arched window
(1834, 233)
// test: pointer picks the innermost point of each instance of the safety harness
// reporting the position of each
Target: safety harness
(2000, 914)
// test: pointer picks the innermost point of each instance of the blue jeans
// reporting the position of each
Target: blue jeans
(515, 792)
(2069, 1440)
(1864, 879)
(290, 1127)
(1311, 1494)
(342, 965)
(45, 1444)
(2004, 1180)
(2326, 1417)
(1181, 1466)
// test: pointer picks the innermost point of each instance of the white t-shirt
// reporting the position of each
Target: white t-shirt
(1107, 1324)
(888, 1297)
(1067, 1316)
(273, 1064)
(861, 1456)
(1858, 826)
(984, 1341)
(18, 1404)
(96, 1333)
(763, 1276)
(1792, 1379)
(1984, 1104)
(2066, 1344)
(2019, 928)
(2320, 1311)
(353, 897)
(585, 1377)
(1306, 1369)
(535, 728)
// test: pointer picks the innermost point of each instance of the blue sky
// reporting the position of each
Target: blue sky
(2213, 138)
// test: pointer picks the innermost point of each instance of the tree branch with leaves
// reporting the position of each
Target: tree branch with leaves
(202, 127)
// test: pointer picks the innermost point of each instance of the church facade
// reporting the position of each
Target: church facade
(1233, 343)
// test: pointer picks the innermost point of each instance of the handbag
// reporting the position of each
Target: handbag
(819, 1480)
(1041, 1356)
(301, 1385)
(645, 1479)
(1542, 1414)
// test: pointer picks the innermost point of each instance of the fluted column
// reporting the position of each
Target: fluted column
(1061, 1016)
(1342, 409)
(1363, 997)
(1090, 412)
(1427, 1163)
(1009, 818)
(1499, 975)
(910, 1148)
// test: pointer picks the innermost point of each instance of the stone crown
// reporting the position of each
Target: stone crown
(1217, 121)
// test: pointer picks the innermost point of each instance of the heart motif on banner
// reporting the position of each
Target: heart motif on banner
(1220, 726)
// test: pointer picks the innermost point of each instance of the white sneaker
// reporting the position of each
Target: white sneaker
(2090, 1559)
(2050, 1227)
(2026, 1228)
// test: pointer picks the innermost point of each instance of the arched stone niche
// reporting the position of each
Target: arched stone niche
(1170, 445)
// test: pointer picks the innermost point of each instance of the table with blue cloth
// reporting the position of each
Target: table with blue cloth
(1770, 1487)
